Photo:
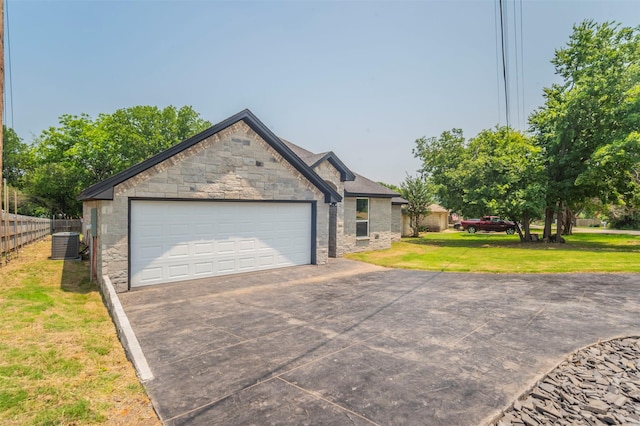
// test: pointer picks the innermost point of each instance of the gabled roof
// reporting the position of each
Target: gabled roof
(313, 160)
(104, 190)
(355, 185)
(363, 187)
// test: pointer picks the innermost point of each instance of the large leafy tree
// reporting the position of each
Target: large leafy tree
(502, 174)
(440, 158)
(588, 127)
(81, 150)
(15, 158)
(498, 172)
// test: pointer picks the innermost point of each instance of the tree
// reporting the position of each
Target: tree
(82, 151)
(498, 172)
(587, 128)
(502, 173)
(440, 159)
(14, 157)
(418, 193)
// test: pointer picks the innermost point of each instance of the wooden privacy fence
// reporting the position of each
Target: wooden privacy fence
(17, 230)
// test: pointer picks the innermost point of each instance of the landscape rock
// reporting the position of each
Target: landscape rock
(598, 385)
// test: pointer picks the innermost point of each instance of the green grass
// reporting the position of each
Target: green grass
(60, 359)
(501, 253)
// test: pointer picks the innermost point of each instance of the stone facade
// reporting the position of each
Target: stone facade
(330, 174)
(234, 164)
(396, 222)
(380, 234)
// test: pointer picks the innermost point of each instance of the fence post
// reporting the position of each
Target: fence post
(15, 222)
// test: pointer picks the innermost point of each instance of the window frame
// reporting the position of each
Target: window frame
(367, 220)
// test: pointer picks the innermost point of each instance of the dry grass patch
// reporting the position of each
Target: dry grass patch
(60, 359)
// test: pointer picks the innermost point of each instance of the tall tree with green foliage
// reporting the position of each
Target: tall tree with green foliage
(440, 158)
(497, 172)
(588, 127)
(14, 158)
(418, 193)
(82, 151)
(502, 174)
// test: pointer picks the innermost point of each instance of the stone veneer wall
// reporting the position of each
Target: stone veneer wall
(380, 235)
(396, 222)
(234, 164)
(86, 214)
(330, 174)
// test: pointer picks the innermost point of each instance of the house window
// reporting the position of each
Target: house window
(362, 217)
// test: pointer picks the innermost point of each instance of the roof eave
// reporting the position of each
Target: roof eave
(368, 194)
(104, 190)
(332, 158)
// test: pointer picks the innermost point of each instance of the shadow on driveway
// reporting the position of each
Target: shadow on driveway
(353, 343)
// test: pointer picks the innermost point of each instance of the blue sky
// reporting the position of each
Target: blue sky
(362, 79)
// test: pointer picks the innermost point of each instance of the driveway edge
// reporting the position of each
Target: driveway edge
(125, 332)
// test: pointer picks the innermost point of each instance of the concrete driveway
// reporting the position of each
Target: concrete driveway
(350, 343)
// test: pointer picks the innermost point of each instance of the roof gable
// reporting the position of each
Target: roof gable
(104, 190)
(314, 160)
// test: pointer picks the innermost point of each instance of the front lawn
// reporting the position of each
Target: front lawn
(60, 359)
(501, 253)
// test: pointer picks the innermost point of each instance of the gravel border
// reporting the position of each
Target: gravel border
(596, 385)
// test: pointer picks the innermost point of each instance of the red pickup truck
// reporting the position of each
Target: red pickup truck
(487, 223)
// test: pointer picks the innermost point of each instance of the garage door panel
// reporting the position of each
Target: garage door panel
(247, 245)
(205, 229)
(176, 272)
(204, 248)
(247, 263)
(179, 240)
(178, 230)
(151, 274)
(203, 268)
(226, 266)
(178, 250)
(148, 252)
(226, 247)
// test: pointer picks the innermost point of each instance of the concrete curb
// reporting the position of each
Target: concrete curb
(125, 332)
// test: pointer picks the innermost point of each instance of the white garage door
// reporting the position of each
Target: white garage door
(181, 240)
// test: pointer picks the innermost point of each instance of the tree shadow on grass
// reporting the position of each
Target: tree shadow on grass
(75, 277)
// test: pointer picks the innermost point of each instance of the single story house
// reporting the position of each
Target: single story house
(234, 198)
(436, 221)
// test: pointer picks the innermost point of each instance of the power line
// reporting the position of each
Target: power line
(9, 63)
(504, 63)
(497, 57)
(524, 117)
(515, 46)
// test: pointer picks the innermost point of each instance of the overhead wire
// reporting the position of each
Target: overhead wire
(10, 73)
(504, 64)
(495, 27)
(524, 117)
(517, 55)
